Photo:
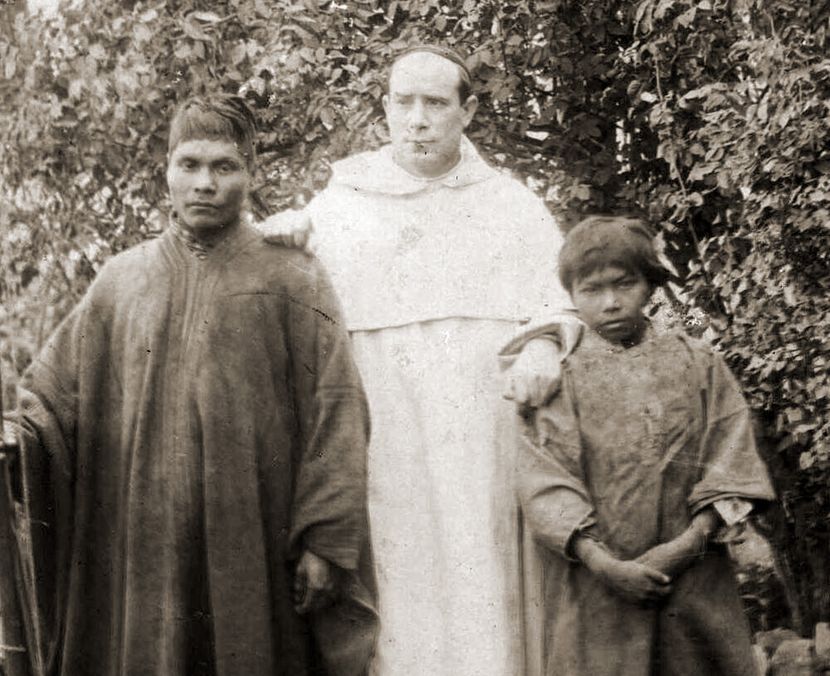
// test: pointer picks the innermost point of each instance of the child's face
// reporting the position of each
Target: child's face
(611, 300)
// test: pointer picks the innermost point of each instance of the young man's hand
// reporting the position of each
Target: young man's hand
(315, 584)
(536, 374)
(288, 228)
(10, 438)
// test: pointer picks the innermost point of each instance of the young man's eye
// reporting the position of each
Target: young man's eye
(226, 168)
(435, 103)
(189, 165)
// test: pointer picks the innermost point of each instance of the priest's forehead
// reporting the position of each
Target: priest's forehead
(221, 117)
(464, 78)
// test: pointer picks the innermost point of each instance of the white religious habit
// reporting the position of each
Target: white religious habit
(435, 276)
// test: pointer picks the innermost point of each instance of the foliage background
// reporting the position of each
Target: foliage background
(708, 116)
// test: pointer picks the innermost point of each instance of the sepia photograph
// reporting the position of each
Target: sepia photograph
(414, 338)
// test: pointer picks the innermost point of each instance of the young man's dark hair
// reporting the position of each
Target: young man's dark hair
(216, 116)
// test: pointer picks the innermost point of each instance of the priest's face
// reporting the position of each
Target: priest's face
(208, 181)
(425, 115)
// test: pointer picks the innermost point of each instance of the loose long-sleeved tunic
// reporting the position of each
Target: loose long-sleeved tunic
(192, 426)
(639, 441)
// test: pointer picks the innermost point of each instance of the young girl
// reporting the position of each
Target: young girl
(627, 475)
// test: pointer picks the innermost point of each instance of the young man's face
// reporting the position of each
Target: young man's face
(611, 300)
(208, 182)
(425, 116)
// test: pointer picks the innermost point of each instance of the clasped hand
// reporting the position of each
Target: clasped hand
(635, 581)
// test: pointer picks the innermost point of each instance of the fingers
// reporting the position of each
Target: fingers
(536, 391)
(509, 391)
(314, 598)
(533, 390)
(657, 576)
(9, 440)
(524, 390)
(301, 238)
(551, 390)
(300, 586)
(314, 584)
(289, 228)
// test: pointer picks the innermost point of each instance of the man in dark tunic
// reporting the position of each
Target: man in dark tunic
(194, 447)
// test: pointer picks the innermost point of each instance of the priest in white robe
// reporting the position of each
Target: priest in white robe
(440, 260)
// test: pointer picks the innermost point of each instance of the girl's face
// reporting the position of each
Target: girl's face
(611, 301)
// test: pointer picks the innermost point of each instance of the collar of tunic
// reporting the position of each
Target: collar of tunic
(591, 340)
(199, 246)
(377, 172)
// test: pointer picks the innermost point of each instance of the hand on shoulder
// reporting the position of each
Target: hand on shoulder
(536, 374)
(290, 228)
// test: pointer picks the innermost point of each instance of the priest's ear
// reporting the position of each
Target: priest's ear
(469, 106)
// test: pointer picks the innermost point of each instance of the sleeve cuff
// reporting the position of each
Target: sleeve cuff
(565, 330)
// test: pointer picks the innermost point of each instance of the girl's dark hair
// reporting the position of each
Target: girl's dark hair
(597, 242)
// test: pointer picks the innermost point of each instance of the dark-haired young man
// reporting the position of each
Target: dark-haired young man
(195, 436)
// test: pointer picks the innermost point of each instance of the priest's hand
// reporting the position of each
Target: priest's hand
(536, 374)
(290, 228)
(314, 583)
